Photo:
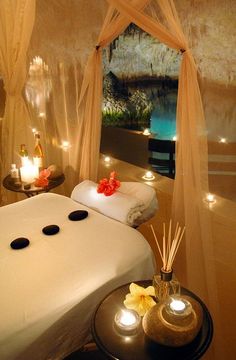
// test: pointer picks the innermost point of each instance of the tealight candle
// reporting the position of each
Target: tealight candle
(65, 145)
(107, 159)
(210, 198)
(148, 176)
(146, 132)
(127, 320)
(179, 306)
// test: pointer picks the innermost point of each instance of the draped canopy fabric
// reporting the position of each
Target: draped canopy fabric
(16, 21)
(195, 265)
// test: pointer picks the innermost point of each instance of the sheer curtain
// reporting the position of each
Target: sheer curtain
(195, 266)
(60, 38)
(16, 21)
(74, 111)
(91, 91)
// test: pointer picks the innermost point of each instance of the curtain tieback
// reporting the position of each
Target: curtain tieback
(184, 50)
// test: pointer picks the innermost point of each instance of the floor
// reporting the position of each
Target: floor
(90, 353)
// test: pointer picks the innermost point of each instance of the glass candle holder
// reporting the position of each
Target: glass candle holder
(178, 306)
(165, 285)
(127, 321)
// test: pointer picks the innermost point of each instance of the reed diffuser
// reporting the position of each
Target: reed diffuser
(165, 283)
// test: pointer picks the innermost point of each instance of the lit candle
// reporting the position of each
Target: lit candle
(107, 159)
(146, 132)
(148, 176)
(29, 172)
(65, 145)
(177, 305)
(127, 320)
(174, 138)
(210, 198)
(37, 161)
(223, 140)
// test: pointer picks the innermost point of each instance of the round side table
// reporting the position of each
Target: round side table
(138, 346)
(8, 183)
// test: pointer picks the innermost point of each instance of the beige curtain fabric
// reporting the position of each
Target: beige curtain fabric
(195, 265)
(91, 91)
(16, 22)
(81, 126)
(61, 40)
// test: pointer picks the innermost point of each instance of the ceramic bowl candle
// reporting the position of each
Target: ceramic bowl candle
(175, 322)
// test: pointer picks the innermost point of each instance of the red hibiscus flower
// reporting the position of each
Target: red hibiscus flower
(108, 187)
(42, 180)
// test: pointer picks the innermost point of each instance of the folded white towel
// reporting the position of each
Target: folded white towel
(119, 206)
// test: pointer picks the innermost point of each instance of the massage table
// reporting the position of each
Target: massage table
(50, 289)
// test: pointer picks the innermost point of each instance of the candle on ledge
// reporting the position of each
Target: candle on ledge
(146, 132)
(107, 159)
(210, 198)
(148, 176)
(65, 145)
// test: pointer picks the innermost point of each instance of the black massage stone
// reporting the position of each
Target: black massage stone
(78, 215)
(19, 243)
(51, 229)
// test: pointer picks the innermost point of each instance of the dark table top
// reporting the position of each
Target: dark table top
(138, 346)
(9, 184)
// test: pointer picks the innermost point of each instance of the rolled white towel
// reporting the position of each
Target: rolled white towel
(144, 193)
(119, 206)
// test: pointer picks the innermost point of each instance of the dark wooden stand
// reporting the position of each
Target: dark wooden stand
(137, 346)
(9, 184)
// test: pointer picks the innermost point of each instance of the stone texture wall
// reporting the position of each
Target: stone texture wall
(64, 29)
(211, 31)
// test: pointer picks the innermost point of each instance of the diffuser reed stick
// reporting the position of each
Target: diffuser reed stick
(170, 245)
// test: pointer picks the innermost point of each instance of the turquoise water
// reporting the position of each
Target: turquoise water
(163, 119)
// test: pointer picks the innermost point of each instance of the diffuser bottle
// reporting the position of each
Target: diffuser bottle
(165, 285)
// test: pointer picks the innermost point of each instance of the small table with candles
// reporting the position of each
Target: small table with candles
(136, 346)
(9, 184)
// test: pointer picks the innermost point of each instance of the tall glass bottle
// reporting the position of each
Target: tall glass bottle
(24, 155)
(38, 152)
(165, 285)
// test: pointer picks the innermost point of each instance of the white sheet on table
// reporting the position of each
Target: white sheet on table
(49, 290)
